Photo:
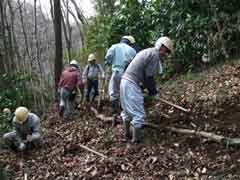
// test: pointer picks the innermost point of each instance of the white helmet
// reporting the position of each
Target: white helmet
(164, 41)
(74, 62)
(91, 57)
(6, 111)
(131, 39)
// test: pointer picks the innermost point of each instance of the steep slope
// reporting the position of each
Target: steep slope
(212, 97)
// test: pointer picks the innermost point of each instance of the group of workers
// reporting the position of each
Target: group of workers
(132, 72)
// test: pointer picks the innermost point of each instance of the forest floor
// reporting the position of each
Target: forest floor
(213, 98)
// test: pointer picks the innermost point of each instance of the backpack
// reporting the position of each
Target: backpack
(94, 67)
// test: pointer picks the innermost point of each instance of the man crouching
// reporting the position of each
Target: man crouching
(26, 133)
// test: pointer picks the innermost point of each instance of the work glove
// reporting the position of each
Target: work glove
(103, 76)
(152, 98)
(29, 138)
(21, 146)
(84, 81)
(106, 63)
(156, 97)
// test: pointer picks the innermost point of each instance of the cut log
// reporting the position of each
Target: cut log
(208, 135)
(211, 136)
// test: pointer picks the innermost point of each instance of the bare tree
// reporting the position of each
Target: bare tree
(80, 15)
(67, 28)
(58, 44)
(15, 43)
(79, 27)
(5, 53)
(23, 29)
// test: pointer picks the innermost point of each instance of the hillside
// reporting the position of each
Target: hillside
(213, 99)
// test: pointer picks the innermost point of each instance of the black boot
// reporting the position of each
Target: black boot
(114, 112)
(138, 135)
(61, 110)
(126, 127)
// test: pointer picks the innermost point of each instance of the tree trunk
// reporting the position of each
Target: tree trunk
(24, 32)
(17, 56)
(79, 28)
(67, 29)
(79, 12)
(58, 44)
(4, 54)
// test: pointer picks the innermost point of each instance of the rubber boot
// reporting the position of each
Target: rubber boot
(127, 133)
(93, 98)
(138, 135)
(114, 112)
(114, 121)
(61, 110)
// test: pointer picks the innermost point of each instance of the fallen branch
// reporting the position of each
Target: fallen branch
(101, 116)
(93, 151)
(211, 136)
(174, 105)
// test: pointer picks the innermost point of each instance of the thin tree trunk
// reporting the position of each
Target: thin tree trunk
(5, 55)
(66, 30)
(58, 44)
(79, 28)
(16, 49)
(24, 31)
(42, 79)
(79, 12)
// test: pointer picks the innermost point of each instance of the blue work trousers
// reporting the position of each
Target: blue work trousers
(132, 103)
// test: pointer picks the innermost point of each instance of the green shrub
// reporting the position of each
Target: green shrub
(14, 92)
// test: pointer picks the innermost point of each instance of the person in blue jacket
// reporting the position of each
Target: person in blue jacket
(119, 56)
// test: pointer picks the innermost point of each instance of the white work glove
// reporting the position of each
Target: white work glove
(21, 147)
(29, 138)
(103, 76)
(84, 81)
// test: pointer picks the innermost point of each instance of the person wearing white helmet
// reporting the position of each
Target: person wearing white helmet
(118, 56)
(81, 86)
(140, 73)
(7, 114)
(70, 81)
(27, 130)
(91, 75)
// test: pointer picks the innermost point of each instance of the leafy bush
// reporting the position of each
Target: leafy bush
(197, 27)
(14, 92)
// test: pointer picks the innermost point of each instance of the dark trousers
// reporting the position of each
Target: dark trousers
(92, 84)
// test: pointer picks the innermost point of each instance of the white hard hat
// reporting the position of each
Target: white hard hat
(91, 57)
(205, 58)
(74, 62)
(167, 42)
(130, 39)
(6, 111)
(21, 114)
